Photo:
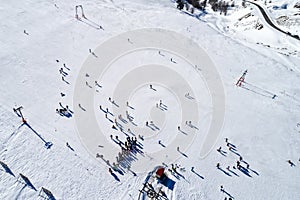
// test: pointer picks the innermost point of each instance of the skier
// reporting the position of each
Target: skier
(218, 165)
(222, 188)
(291, 163)
(238, 164)
(141, 137)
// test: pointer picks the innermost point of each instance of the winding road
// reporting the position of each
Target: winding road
(268, 20)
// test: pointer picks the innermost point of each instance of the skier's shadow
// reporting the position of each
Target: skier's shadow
(66, 82)
(234, 151)
(255, 172)
(181, 131)
(222, 170)
(228, 194)
(64, 73)
(152, 128)
(155, 127)
(123, 120)
(94, 55)
(64, 113)
(115, 176)
(192, 170)
(161, 144)
(89, 86)
(130, 107)
(132, 122)
(6, 169)
(67, 144)
(232, 145)
(183, 154)
(114, 103)
(66, 67)
(233, 172)
(111, 121)
(245, 171)
(82, 108)
(223, 153)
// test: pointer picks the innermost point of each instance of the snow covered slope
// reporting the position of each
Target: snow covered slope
(39, 37)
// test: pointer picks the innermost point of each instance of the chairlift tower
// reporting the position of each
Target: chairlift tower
(76, 11)
(241, 79)
(19, 112)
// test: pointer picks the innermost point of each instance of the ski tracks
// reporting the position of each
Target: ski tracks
(10, 138)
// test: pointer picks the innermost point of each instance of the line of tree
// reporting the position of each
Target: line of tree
(191, 4)
(216, 5)
(221, 6)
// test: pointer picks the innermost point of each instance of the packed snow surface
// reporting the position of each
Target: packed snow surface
(65, 154)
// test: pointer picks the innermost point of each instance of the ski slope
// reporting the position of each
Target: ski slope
(38, 38)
